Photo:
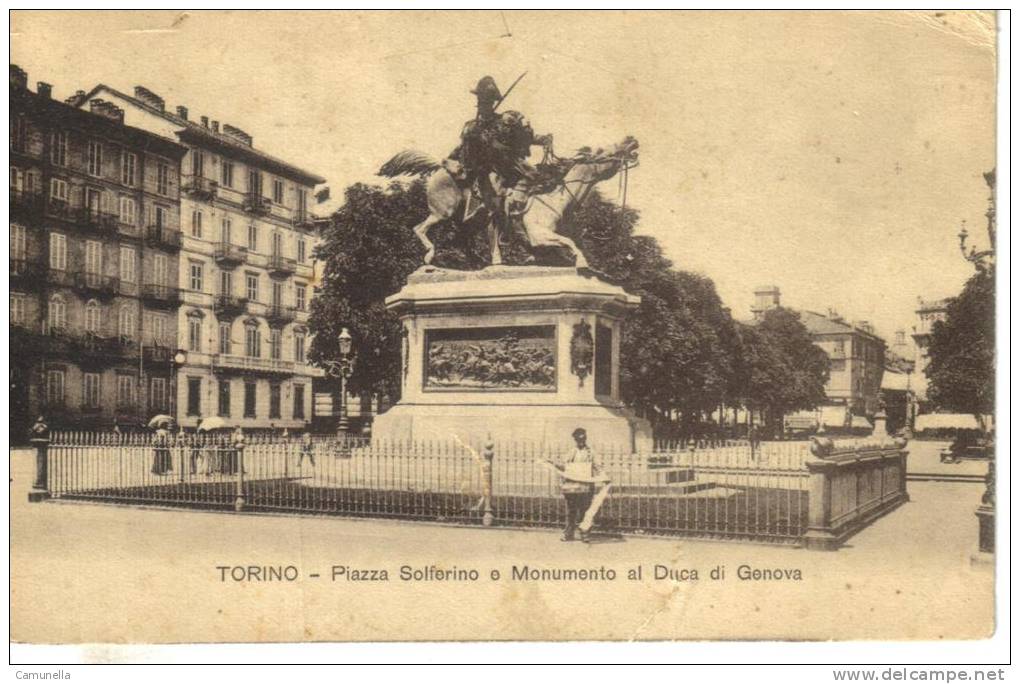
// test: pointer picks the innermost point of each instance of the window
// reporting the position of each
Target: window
(57, 315)
(58, 189)
(249, 399)
(91, 390)
(156, 325)
(195, 333)
(277, 244)
(302, 249)
(225, 230)
(58, 148)
(95, 158)
(226, 283)
(93, 200)
(302, 202)
(163, 179)
(128, 163)
(18, 236)
(19, 132)
(224, 337)
(252, 287)
(93, 317)
(55, 387)
(252, 341)
(159, 397)
(275, 339)
(274, 400)
(299, 401)
(253, 237)
(127, 264)
(277, 294)
(300, 294)
(160, 216)
(126, 321)
(837, 365)
(159, 269)
(128, 214)
(227, 174)
(17, 308)
(197, 163)
(194, 396)
(125, 391)
(196, 276)
(278, 191)
(254, 183)
(196, 223)
(299, 347)
(58, 252)
(93, 257)
(223, 398)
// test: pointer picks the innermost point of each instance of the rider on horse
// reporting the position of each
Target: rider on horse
(495, 143)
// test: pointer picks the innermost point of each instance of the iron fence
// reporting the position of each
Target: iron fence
(719, 492)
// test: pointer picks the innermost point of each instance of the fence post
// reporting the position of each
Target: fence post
(819, 534)
(488, 453)
(40, 439)
(239, 450)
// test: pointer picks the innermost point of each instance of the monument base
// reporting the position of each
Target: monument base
(522, 354)
(610, 429)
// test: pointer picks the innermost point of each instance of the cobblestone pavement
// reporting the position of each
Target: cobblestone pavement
(106, 573)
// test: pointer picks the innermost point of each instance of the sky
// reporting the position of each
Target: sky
(833, 154)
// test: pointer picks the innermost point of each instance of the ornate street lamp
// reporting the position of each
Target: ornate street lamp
(342, 369)
(175, 364)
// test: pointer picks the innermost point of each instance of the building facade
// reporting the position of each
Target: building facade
(94, 253)
(245, 270)
(856, 357)
(927, 312)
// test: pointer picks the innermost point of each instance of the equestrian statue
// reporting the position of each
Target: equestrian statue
(489, 171)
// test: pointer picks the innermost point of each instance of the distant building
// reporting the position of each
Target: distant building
(856, 358)
(928, 311)
(95, 242)
(246, 272)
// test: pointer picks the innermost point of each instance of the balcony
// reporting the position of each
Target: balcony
(281, 266)
(303, 220)
(158, 354)
(203, 189)
(26, 203)
(257, 205)
(60, 278)
(95, 221)
(163, 238)
(161, 296)
(97, 284)
(27, 271)
(229, 255)
(280, 315)
(229, 305)
(58, 208)
(228, 363)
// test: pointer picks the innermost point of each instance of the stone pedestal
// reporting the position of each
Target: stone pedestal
(524, 354)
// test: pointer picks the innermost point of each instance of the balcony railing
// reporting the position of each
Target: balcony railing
(59, 208)
(94, 220)
(161, 295)
(229, 305)
(163, 238)
(200, 188)
(280, 315)
(27, 202)
(249, 364)
(227, 254)
(303, 219)
(281, 266)
(96, 283)
(27, 270)
(158, 353)
(60, 277)
(257, 204)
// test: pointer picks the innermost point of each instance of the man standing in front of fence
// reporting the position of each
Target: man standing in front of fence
(578, 486)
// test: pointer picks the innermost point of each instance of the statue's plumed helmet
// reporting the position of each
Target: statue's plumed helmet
(487, 89)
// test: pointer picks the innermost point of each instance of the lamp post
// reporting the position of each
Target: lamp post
(342, 369)
(176, 362)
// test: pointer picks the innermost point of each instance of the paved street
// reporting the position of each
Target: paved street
(924, 459)
(103, 573)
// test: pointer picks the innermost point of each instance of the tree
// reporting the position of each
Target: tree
(783, 368)
(961, 370)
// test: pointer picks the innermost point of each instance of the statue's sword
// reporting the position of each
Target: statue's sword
(500, 100)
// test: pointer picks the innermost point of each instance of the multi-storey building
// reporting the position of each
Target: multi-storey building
(928, 311)
(246, 271)
(95, 242)
(856, 355)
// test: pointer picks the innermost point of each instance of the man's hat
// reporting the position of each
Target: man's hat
(579, 432)
(487, 87)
